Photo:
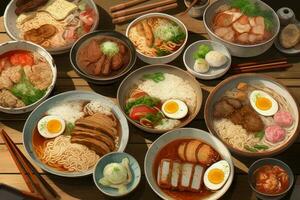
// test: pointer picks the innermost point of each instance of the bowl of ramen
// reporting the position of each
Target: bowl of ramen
(254, 115)
(27, 76)
(159, 98)
(188, 163)
(67, 134)
(53, 24)
(246, 27)
(270, 170)
(158, 38)
(103, 56)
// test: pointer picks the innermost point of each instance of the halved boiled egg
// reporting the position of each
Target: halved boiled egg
(174, 109)
(216, 175)
(51, 126)
(263, 103)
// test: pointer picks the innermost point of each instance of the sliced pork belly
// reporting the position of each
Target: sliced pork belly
(186, 176)
(98, 146)
(164, 173)
(197, 178)
(176, 173)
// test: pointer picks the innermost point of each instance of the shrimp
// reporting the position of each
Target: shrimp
(242, 25)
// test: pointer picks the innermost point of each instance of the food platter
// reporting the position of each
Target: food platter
(63, 12)
(78, 133)
(59, 101)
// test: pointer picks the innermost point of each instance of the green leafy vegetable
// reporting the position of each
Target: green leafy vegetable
(25, 91)
(162, 52)
(109, 48)
(69, 127)
(145, 100)
(250, 148)
(82, 5)
(253, 9)
(202, 51)
(260, 135)
(170, 32)
(261, 147)
(154, 118)
(156, 77)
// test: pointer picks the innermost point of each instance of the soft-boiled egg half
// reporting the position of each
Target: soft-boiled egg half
(51, 126)
(263, 103)
(174, 109)
(216, 175)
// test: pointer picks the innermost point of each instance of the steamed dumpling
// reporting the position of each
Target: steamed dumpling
(215, 59)
(201, 65)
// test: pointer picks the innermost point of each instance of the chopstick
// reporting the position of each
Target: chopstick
(141, 8)
(35, 182)
(261, 62)
(126, 5)
(279, 63)
(132, 16)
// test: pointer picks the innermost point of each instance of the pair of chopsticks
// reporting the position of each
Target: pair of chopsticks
(125, 11)
(36, 183)
(279, 63)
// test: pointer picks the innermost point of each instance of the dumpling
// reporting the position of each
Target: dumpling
(215, 59)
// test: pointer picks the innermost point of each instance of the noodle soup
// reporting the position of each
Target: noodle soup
(253, 118)
(72, 136)
(156, 36)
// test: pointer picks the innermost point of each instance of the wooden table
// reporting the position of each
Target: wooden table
(84, 188)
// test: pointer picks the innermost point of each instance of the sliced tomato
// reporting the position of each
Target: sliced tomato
(22, 58)
(140, 111)
(87, 17)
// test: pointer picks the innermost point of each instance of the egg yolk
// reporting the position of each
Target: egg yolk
(54, 126)
(216, 176)
(263, 103)
(171, 107)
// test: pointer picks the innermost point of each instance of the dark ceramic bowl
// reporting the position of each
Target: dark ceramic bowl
(269, 161)
(115, 75)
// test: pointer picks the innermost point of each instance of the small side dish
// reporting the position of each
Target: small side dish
(102, 55)
(289, 36)
(25, 77)
(117, 175)
(161, 101)
(190, 168)
(205, 57)
(271, 179)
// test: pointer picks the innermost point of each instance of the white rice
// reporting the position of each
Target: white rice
(173, 87)
(69, 111)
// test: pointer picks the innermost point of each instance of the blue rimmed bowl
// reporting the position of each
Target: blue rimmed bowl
(117, 157)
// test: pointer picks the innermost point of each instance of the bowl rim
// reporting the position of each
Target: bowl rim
(158, 131)
(235, 150)
(57, 50)
(128, 191)
(243, 45)
(125, 136)
(231, 176)
(203, 75)
(97, 33)
(163, 15)
(53, 66)
(277, 162)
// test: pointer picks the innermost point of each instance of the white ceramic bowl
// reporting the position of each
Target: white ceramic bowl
(186, 133)
(29, 46)
(10, 18)
(160, 59)
(214, 72)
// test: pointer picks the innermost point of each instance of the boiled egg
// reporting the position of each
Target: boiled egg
(263, 103)
(51, 126)
(216, 175)
(174, 109)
